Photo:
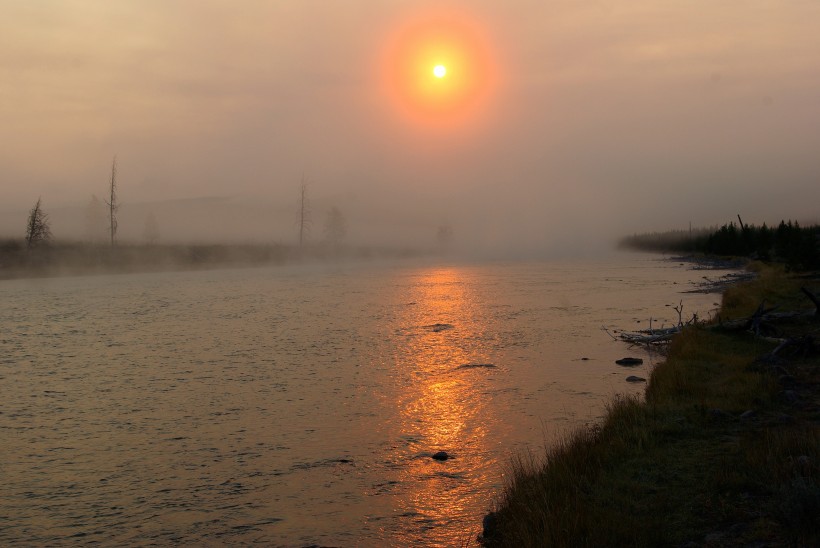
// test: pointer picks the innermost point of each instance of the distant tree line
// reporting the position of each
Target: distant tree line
(39, 253)
(789, 243)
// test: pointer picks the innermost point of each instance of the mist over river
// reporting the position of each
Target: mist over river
(301, 405)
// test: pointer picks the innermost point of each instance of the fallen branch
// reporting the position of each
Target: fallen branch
(655, 336)
(797, 346)
(813, 298)
(636, 338)
(755, 323)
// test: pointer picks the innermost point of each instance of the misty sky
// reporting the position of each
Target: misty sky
(601, 117)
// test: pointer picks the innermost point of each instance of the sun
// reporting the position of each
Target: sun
(438, 69)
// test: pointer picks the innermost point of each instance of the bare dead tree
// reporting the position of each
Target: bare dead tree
(113, 206)
(38, 230)
(304, 212)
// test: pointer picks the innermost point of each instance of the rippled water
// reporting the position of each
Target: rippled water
(300, 406)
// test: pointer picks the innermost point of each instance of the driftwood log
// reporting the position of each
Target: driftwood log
(650, 336)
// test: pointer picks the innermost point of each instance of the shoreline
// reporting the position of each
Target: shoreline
(723, 449)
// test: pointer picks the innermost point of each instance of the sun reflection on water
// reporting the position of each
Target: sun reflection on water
(442, 408)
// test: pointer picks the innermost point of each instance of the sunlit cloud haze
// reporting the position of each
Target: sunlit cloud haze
(594, 119)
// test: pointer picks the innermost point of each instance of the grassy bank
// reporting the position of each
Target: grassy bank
(724, 450)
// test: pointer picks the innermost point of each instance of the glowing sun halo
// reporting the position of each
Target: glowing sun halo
(439, 69)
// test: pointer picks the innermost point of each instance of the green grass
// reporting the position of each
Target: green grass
(681, 465)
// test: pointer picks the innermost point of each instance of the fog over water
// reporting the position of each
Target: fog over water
(584, 120)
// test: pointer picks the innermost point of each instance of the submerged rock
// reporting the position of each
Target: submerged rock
(441, 455)
(477, 365)
(629, 361)
(633, 378)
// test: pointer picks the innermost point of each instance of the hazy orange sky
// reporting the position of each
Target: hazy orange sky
(589, 119)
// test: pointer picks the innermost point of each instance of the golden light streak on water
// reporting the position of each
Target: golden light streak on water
(443, 406)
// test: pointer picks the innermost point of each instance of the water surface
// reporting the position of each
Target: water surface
(298, 406)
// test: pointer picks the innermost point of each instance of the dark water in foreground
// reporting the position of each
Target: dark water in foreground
(297, 406)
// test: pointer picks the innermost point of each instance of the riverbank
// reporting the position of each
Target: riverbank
(724, 449)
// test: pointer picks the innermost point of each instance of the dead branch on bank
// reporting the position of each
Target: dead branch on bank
(794, 347)
(653, 336)
(761, 323)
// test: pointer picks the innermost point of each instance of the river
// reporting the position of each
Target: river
(300, 405)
